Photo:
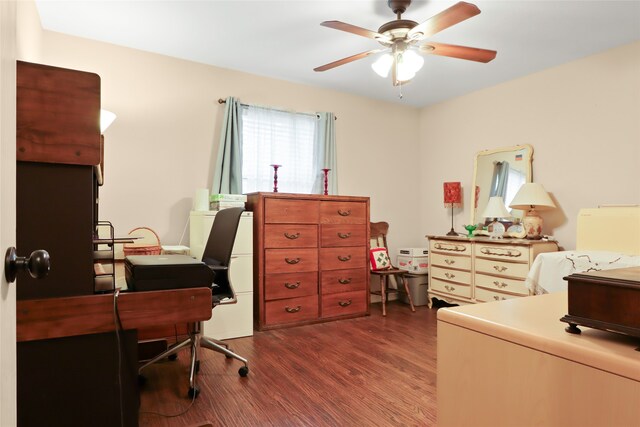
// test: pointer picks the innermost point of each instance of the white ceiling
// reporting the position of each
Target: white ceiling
(284, 39)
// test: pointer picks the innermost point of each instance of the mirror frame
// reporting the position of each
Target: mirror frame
(527, 158)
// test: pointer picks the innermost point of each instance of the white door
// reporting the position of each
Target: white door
(7, 209)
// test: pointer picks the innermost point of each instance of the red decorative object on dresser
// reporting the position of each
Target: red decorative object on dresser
(311, 258)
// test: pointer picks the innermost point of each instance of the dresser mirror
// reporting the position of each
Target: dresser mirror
(499, 172)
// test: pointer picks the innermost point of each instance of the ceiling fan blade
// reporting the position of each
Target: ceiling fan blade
(347, 60)
(445, 19)
(342, 26)
(461, 52)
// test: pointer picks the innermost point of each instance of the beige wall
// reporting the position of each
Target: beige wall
(162, 146)
(582, 119)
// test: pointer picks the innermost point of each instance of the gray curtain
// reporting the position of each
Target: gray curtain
(227, 178)
(324, 154)
(500, 179)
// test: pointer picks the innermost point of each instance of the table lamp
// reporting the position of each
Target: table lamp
(531, 196)
(452, 198)
(496, 209)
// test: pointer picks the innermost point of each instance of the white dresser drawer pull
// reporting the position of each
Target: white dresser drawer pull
(500, 284)
(514, 253)
(499, 268)
(292, 285)
(449, 261)
(292, 310)
(449, 288)
(449, 275)
(497, 298)
(450, 247)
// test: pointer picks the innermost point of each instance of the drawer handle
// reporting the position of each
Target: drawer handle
(292, 261)
(344, 258)
(497, 298)
(344, 281)
(500, 268)
(344, 213)
(500, 284)
(449, 288)
(452, 247)
(291, 236)
(449, 275)
(344, 303)
(449, 261)
(344, 235)
(292, 310)
(292, 285)
(513, 253)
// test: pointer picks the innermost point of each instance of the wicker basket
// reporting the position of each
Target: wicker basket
(148, 243)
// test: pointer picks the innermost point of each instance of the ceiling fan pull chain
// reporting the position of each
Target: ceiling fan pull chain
(400, 90)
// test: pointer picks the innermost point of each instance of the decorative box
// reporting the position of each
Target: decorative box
(413, 260)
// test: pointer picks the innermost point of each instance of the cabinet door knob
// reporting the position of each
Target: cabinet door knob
(37, 264)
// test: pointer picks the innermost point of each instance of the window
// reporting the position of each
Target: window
(277, 137)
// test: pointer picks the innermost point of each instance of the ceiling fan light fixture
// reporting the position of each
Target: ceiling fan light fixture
(382, 65)
(408, 63)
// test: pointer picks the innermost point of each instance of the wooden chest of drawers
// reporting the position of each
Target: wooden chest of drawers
(310, 258)
(464, 271)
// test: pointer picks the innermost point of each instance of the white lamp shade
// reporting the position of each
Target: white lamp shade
(496, 208)
(532, 194)
(382, 66)
(106, 118)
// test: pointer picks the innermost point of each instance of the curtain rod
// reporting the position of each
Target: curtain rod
(224, 101)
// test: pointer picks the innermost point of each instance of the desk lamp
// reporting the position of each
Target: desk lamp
(528, 198)
(496, 209)
(452, 198)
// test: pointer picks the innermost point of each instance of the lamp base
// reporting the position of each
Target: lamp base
(452, 232)
(532, 223)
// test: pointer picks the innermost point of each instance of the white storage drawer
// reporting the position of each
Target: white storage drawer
(503, 252)
(451, 275)
(231, 320)
(501, 268)
(501, 284)
(459, 248)
(451, 288)
(451, 261)
(241, 270)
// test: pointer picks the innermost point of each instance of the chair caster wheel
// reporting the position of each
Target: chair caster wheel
(194, 392)
(142, 380)
(244, 371)
(173, 357)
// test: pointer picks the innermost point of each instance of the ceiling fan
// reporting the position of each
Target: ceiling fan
(402, 37)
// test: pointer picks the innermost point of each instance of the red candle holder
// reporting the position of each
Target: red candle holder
(326, 180)
(275, 177)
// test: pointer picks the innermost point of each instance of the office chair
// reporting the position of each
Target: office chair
(217, 256)
(378, 234)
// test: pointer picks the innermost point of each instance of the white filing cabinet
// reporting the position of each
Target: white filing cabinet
(232, 320)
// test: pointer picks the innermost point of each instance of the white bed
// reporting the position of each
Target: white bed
(607, 238)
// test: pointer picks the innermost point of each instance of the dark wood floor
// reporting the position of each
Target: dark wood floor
(370, 371)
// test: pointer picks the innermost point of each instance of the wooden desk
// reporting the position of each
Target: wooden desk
(511, 363)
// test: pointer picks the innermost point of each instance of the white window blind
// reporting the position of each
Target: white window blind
(277, 137)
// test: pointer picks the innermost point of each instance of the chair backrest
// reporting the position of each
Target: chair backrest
(217, 252)
(378, 234)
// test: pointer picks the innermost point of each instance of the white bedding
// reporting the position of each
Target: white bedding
(548, 269)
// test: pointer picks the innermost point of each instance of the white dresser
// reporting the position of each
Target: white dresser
(471, 270)
(233, 320)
